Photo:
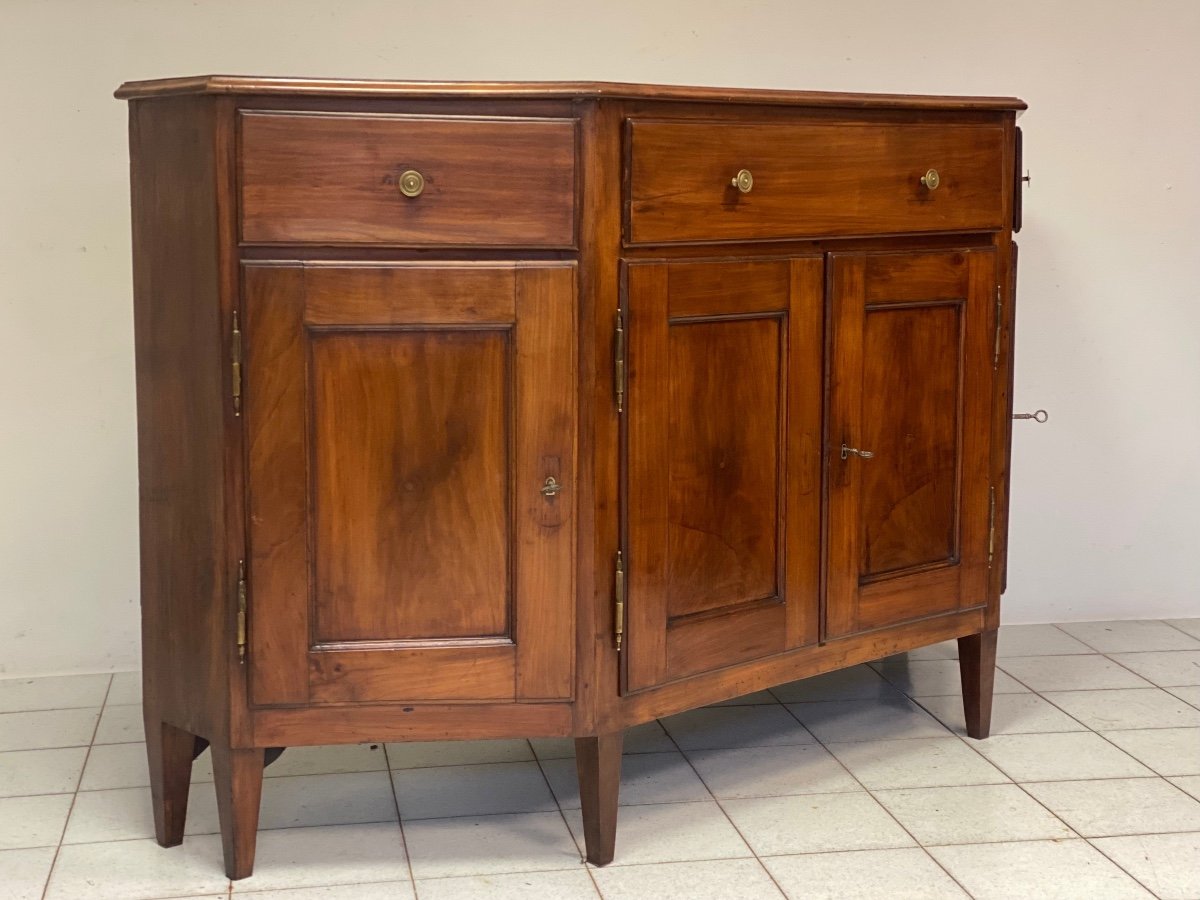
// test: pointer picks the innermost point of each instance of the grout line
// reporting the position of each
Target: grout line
(75, 793)
(580, 849)
(1136, 880)
(399, 820)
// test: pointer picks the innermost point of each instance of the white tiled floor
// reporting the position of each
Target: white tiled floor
(858, 784)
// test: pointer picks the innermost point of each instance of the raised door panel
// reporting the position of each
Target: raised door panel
(911, 380)
(722, 473)
(401, 423)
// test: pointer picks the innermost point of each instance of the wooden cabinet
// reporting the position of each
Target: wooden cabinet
(543, 410)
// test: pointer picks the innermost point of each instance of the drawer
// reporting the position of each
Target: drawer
(809, 180)
(335, 178)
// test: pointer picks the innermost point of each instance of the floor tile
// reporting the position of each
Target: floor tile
(32, 821)
(648, 737)
(925, 762)
(1168, 751)
(744, 879)
(1047, 870)
(301, 800)
(568, 885)
(1188, 626)
(1059, 757)
(526, 842)
(482, 790)
(47, 729)
(111, 766)
(1130, 636)
(943, 650)
(138, 870)
(1119, 806)
(54, 692)
(1166, 668)
(380, 890)
(645, 778)
(326, 760)
(1011, 714)
(1190, 695)
(771, 771)
(972, 814)
(121, 725)
(670, 832)
(1070, 673)
(1168, 864)
(936, 677)
(126, 688)
(904, 874)
(341, 854)
(758, 698)
(890, 718)
(127, 814)
(718, 728)
(421, 754)
(25, 873)
(1037, 640)
(25, 772)
(776, 826)
(855, 683)
(1190, 784)
(1127, 709)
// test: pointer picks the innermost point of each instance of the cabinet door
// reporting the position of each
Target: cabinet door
(401, 423)
(723, 432)
(912, 347)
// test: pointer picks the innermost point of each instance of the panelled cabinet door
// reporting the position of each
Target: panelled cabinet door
(401, 424)
(912, 344)
(722, 444)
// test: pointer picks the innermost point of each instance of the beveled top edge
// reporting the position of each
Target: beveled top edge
(239, 84)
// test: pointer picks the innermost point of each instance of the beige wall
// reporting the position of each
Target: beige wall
(1106, 510)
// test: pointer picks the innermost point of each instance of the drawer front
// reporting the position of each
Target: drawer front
(334, 178)
(810, 180)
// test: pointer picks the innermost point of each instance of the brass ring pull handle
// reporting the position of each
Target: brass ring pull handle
(861, 454)
(931, 179)
(551, 487)
(1041, 416)
(412, 183)
(743, 181)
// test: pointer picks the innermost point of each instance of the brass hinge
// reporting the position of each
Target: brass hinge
(619, 601)
(619, 360)
(999, 325)
(241, 610)
(992, 526)
(235, 352)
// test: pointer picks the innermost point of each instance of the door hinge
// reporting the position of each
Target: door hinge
(241, 610)
(619, 601)
(235, 352)
(619, 360)
(991, 525)
(999, 326)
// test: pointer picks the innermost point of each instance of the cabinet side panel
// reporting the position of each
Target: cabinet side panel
(180, 351)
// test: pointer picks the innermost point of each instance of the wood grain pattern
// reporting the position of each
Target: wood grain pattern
(334, 178)
(810, 179)
(464, 671)
(409, 466)
(721, 451)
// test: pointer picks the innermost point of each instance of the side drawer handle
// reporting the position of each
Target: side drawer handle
(743, 181)
(412, 183)
(931, 179)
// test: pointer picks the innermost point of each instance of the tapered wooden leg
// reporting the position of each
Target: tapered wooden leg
(977, 666)
(598, 761)
(169, 755)
(239, 776)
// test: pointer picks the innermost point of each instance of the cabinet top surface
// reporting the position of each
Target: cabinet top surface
(239, 84)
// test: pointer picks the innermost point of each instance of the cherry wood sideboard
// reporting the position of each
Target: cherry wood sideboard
(487, 410)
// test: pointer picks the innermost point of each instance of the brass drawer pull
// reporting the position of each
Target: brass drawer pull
(412, 183)
(551, 487)
(931, 179)
(743, 181)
